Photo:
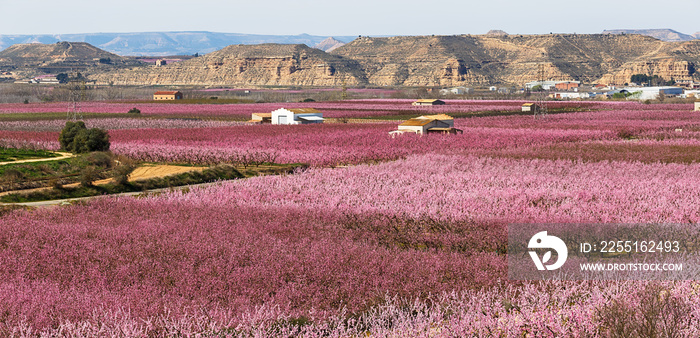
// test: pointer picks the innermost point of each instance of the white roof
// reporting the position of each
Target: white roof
(649, 89)
(311, 118)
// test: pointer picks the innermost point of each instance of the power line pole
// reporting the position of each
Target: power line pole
(541, 102)
(76, 89)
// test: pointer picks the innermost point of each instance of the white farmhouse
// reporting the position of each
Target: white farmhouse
(296, 116)
(456, 91)
(441, 123)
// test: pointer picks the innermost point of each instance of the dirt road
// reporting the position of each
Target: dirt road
(62, 157)
(153, 171)
(53, 203)
(141, 173)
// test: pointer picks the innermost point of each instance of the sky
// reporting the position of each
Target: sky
(347, 18)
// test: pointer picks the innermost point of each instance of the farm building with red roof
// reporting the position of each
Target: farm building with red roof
(167, 95)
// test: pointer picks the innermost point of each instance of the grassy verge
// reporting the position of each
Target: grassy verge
(220, 172)
(12, 154)
(37, 174)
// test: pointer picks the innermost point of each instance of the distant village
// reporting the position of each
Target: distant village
(574, 90)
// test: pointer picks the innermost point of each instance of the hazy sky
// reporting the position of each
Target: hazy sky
(355, 17)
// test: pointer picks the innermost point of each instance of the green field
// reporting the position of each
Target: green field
(212, 174)
(12, 154)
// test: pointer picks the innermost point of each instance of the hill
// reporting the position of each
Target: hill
(328, 45)
(164, 43)
(433, 61)
(58, 57)
(248, 65)
(516, 59)
(661, 34)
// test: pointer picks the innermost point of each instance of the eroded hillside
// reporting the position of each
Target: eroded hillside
(432, 61)
(249, 65)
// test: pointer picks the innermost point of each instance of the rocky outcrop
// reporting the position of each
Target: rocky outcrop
(511, 59)
(670, 61)
(431, 61)
(666, 69)
(257, 65)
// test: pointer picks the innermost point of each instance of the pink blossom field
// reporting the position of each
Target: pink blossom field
(380, 236)
(341, 109)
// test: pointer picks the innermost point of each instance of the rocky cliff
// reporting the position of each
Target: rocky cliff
(675, 61)
(516, 59)
(432, 61)
(253, 65)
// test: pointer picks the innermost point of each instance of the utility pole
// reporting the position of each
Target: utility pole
(541, 109)
(76, 88)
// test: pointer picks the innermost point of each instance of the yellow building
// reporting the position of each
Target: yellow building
(531, 107)
(261, 118)
(167, 95)
(428, 102)
(441, 123)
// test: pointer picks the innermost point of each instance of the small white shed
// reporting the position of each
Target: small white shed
(296, 116)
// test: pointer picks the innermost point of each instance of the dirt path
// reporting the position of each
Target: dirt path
(141, 173)
(153, 171)
(53, 203)
(62, 157)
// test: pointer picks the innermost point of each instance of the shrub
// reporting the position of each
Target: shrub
(56, 183)
(99, 159)
(90, 140)
(76, 138)
(122, 172)
(134, 111)
(68, 134)
(12, 176)
(87, 176)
